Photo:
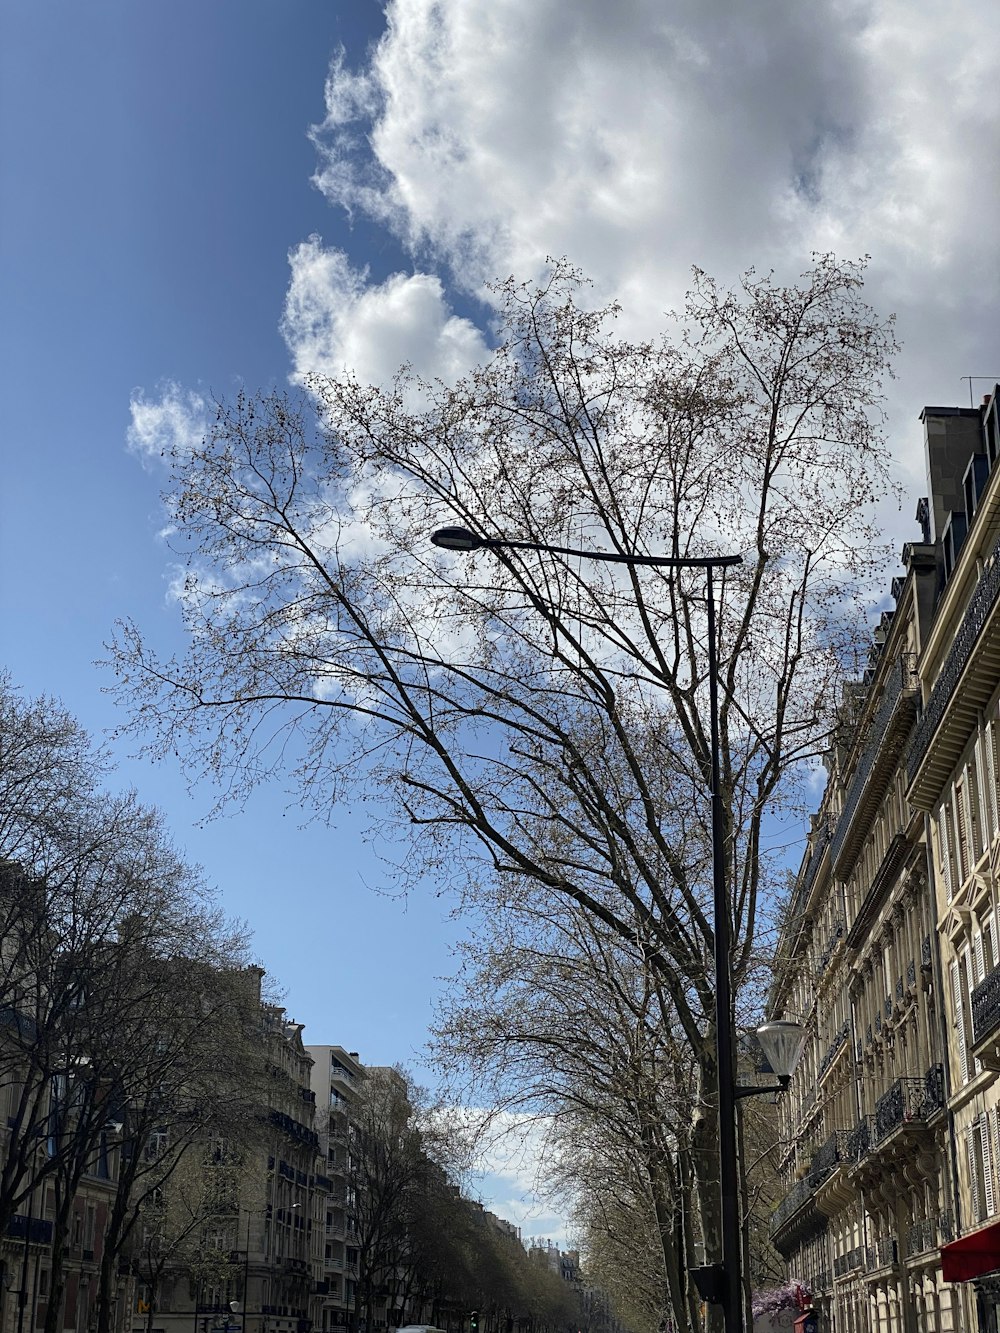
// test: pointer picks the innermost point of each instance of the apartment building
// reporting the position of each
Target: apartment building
(889, 952)
(336, 1078)
(266, 1224)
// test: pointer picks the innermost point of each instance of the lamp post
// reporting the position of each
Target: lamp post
(725, 1283)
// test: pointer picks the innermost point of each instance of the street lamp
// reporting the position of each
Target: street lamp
(726, 1285)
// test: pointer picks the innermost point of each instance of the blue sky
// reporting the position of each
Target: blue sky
(156, 171)
(158, 191)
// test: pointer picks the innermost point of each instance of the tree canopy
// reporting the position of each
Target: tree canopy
(533, 720)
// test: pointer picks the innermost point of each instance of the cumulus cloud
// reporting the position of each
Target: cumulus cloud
(640, 140)
(176, 418)
(334, 320)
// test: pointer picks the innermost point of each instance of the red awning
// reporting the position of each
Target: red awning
(972, 1255)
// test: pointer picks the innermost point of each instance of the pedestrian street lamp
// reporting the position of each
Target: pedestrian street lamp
(723, 1281)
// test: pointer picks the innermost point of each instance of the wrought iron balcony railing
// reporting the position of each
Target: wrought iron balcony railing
(921, 1236)
(925, 954)
(976, 615)
(831, 1051)
(905, 1101)
(799, 1194)
(837, 933)
(860, 1139)
(911, 973)
(933, 1089)
(882, 1254)
(929, 1233)
(846, 1263)
(900, 690)
(833, 1151)
(986, 1006)
(36, 1230)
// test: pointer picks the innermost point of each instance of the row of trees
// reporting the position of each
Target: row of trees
(538, 724)
(129, 1019)
(132, 1049)
(424, 1249)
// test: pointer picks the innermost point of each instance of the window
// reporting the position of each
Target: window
(979, 1142)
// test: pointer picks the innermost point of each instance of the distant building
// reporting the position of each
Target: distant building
(271, 1237)
(336, 1078)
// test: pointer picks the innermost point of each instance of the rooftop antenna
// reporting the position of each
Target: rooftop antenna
(994, 379)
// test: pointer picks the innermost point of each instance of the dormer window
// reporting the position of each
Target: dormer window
(951, 542)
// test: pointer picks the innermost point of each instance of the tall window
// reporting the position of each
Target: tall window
(980, 1141)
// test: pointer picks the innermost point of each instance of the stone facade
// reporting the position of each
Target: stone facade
(890, 952)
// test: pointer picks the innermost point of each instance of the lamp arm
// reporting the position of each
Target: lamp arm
(613, 557)
(757, 1089)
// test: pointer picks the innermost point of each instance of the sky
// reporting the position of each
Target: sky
(196, 196)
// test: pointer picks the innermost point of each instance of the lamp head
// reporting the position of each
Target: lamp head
(457, 539)
(782, 1042)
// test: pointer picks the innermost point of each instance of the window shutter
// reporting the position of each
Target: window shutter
(956, 987)
(967, 955)
(992, 770)
(990, 932)
(984, 1124)
(974, 811)
(945, 849)
(961, 812)
(970, 1143)
(982, 787)
(977, 946)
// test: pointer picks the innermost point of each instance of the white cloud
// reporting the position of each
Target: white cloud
(334, 320)
(176, 419)
(641, 140)
(512, 1163)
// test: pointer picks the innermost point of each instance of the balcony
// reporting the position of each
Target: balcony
(833, 939)
(338, 1074)
(884, 743)
(929, 1234)
(809, 875)
(860, 1139)
(36, 1230)
(797, 1216)
(834, 1049)
(986, 1012)
(965, 683)
(908, 1101)
(847, 1263)
(883, 1254)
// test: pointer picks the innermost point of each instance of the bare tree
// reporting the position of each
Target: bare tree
(535, 718)
(120, 984)
(556, 1017)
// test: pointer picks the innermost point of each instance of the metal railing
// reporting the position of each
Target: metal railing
(832, 1050)
(883, 1254)
(799, 1194)
(837, 933)
(986, 1006)
(933, 1089)
(860, 1139)
(36, 1230)
(926, 1234)
(833, 1151)
(901, 685)
(904, 1101)
(976, 615)
(846, 1263)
